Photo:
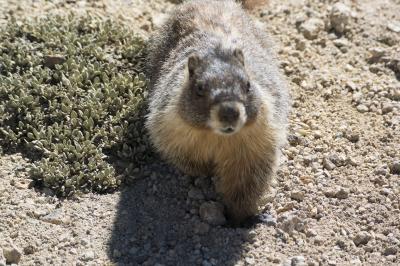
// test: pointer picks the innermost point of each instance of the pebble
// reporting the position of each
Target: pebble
(250, 261)
(394, 26)
(390, 251)
(311, 28)
(295, 261)
(328, 165)
(291, 222)
(362, 108)
(267, 219)
(395, 168)
(201, 228)
(340, 17)
(55, 217)
(195, 193)
(341, 43)
(297, 195)
(12, 254)
(362, 238)
(339, 193)
(212, 213)
(387, 108)
(88, 255)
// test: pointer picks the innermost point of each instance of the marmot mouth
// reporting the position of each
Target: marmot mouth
(228, 130)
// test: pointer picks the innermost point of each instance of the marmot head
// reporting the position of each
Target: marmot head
(218, 93)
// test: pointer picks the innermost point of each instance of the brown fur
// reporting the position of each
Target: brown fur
(245, 162)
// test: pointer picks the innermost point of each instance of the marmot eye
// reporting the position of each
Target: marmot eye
(200, 90)
(248, 86)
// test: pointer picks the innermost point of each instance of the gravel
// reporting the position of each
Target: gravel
(345, 113)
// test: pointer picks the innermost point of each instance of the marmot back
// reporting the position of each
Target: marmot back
(218, 103)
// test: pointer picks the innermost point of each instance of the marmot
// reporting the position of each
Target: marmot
(218, 103)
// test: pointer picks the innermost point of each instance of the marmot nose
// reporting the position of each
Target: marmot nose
(228, 113)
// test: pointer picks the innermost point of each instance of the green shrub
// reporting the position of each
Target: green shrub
(72, 88)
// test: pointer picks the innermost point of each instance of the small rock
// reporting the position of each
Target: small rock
(298, 261)
(362, 238)
(201, 228)
(55, 217)
(352, 136)
(311, 28)
(51, 60)
(390, 251)
(29, 250)
(376, 53)
(250, 261)
(340, 17)
(295, 261)
(328, 165)
(267, 219)
(212, 213)
(362, 108)
(12, 254)
(297, 195)
(291, 222)
(387, 108)
(88, 255)
(341, 43)
(394, 26)
(342, 193)
(195, 193)
(339, 193)
(395, 168)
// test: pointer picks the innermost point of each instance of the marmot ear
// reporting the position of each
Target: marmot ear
(238, 53)
(193, 63)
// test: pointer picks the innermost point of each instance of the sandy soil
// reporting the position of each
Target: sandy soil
(336, 201)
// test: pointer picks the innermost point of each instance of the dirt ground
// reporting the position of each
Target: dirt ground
(337, 195)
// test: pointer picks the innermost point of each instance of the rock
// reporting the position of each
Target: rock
(298, 261)
(394, 26)
(376, 53)
(340, 17)
(339, 193)
(201, 228)
(291, 222)
(387, 108)
(88, 255)
(352, 136)
(342, 193)
(295, 261)
(267, 219)
(328, 165)
(195, 193)
(297, 195)
(390, 251)
(250, 261)
(55, 217)
(362, 108)
(12, 254)
(311, 28)
(341, 43)
(395, 168)
(51, 60)
(362, 238)
(29, 250)
(212, 213)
